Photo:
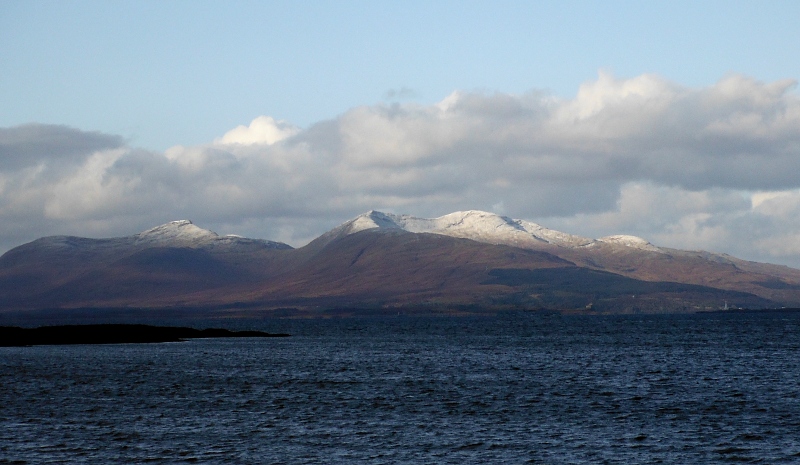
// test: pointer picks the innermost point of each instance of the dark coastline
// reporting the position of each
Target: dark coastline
(12, 336)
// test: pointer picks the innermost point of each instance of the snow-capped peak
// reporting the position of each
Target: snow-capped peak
(471, 224)
(181, 231)
(371, 220)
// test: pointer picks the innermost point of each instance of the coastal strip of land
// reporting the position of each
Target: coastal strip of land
(12, 336)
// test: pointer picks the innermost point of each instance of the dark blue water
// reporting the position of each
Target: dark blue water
(516, 389)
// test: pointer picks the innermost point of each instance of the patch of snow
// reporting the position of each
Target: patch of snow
(233, 239)
(630, 241)
(554, 237)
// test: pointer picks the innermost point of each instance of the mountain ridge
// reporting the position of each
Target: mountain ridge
(382, 260)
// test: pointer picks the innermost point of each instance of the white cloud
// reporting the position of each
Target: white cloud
(262, 130)
(711, 168)
(82, 195)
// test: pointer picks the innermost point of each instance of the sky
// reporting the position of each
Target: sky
(677, 121)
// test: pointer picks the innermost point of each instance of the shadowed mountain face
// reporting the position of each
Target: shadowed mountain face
(473, 260)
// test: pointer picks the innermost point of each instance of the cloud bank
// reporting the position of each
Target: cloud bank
(712, 168)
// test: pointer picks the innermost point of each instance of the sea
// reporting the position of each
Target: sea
(510, 388)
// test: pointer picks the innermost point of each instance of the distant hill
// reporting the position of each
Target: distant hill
(382, 263)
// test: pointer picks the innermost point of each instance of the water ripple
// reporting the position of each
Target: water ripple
(517, 389)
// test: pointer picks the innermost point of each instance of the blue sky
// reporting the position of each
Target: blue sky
(675, 121)
(183, 72)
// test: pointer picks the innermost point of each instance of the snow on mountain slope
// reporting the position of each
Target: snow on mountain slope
(183, 233)
(485, 227)
(630, 241)
(490, 228)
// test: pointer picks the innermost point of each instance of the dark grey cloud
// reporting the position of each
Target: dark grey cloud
(30, 144)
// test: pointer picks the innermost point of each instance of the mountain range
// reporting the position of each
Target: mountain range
(463, 262)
